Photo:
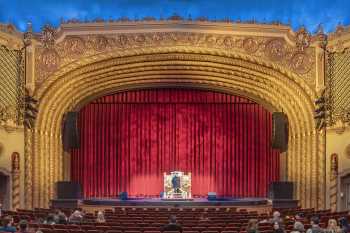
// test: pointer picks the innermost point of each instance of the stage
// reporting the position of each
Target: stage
(261, 205)
(234, 202)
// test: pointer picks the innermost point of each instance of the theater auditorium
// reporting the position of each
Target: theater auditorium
(174, 125)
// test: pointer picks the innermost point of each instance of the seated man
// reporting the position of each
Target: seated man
(172, 226)
(175, 181)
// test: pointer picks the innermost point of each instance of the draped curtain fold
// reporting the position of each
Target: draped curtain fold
(129, 139)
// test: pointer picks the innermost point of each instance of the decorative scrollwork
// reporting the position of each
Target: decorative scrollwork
(303, 39)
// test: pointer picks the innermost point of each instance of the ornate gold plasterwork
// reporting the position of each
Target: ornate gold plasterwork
(236, 65)
(338, 83)
(12, 88)
(50, 57)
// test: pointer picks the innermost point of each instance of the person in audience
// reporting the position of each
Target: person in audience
(0, 210)
(298, 227)
(252, 226)
(172, 225)
(277, 228)
(23, 226)
(276, 217)
(315, 228)
(50, 219)
(76, 217)
(344, 225)
(333, 226)
(7, 225)
(100, 217)
(61, 218)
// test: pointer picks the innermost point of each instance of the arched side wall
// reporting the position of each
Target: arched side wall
(214, 69)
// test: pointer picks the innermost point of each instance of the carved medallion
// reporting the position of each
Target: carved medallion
(100, 43)
(275, 49)
(141, 38)
(122, 41)
(210, 40)
(228, 42)
(250, 45)
(74, 46)
(301, 63)
(49, 60)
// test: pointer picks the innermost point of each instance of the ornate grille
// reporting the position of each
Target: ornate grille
(11, 85)
(338, 83)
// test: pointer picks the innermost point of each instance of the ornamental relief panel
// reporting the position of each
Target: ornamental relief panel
(49, 57)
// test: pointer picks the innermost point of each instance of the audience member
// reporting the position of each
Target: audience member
(76, 217)
(61, 218)
(315, 228)
(277, 228)
(298, 227)
(252, 226)
(7, 225)
(276, 217)
(50, 219)
(0, 210)
(333, 226)
(100, 217)
(344, 225)
(23, 226)
(173, 225)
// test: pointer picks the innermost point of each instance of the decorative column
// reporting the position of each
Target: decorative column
(334, 182)
(15, 180)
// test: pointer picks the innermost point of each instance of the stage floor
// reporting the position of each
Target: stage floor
(140, 202)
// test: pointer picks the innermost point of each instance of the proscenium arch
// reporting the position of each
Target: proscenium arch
(214, 69)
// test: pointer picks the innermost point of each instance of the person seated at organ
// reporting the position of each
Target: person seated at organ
(252, 226)
(333, 226)
(315, 228)
(100, 217)
(7, 225)
(172, 225)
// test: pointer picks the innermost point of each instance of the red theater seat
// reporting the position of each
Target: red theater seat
(76, 231)
(114, 231)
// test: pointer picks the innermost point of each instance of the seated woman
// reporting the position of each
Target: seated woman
(100, 217)
(277, 228)
(252, 226)
(333, 226)
(7, 225)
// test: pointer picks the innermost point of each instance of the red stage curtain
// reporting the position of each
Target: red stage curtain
(128, 140)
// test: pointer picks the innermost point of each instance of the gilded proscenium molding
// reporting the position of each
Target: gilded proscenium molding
(292, 51)
(218, 69)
